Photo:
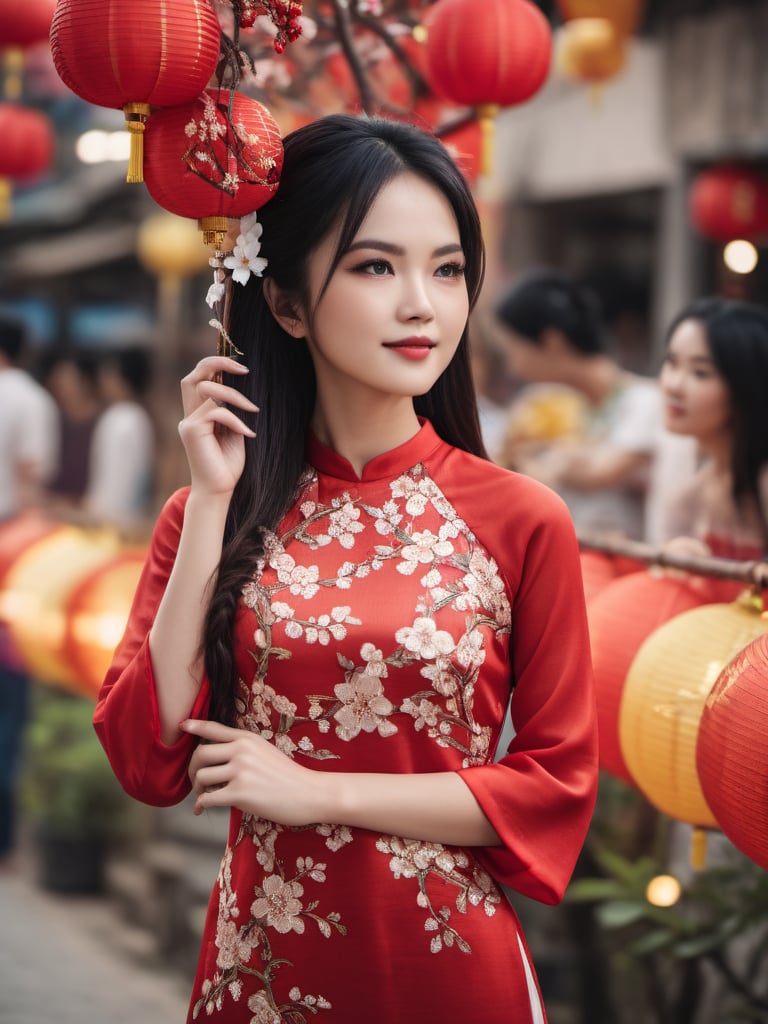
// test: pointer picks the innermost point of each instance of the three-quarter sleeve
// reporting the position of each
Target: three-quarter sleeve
(540, 796)
(127, 718)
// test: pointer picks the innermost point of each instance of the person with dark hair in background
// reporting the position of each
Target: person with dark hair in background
(713, 383)
(121, 471)
(28, 446)
(599, 427)
(71, 376)
(334, 615)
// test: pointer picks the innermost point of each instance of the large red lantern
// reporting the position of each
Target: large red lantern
(625, 612)
(728, 202)
(732, 751)
(488, 55)
(26, 150)
(203, 162)
(135, 56)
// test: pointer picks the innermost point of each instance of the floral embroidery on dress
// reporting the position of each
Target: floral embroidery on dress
(410, 858)
(279, 905)
(361, 691)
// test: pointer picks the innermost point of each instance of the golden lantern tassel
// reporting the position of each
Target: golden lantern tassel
(136, 115)
(214, 230)
(5, 199)
(486, 114)
(699, 849)
(14, 65)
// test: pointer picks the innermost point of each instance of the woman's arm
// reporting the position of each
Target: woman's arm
(214, 441)
(237, 768)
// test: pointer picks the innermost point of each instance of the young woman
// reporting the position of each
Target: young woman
(553, 330)
(713, 383)
(334, 615)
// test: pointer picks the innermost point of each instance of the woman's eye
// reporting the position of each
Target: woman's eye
(450, 270)
(377, 268)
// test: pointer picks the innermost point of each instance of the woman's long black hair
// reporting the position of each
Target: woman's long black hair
(737, 338)
(333, 170)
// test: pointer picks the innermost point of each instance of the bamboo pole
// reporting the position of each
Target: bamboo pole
(754, 573)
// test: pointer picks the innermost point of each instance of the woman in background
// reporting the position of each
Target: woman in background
(713, 382)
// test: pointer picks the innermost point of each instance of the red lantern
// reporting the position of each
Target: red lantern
(624, 613)
(597, 572)
(26, 150)
(135, 56)
(732, 751)
(25, 22)
(16, 536)
(486, 55)
(27, 142)
(229, 172)
(728, 201)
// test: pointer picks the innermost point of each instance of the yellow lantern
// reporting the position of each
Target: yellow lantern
(591, 50)
(168, 245)
(663, 700)
(96, 615)
(35, 594)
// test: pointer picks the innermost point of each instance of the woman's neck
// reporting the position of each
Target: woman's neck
(359, 429)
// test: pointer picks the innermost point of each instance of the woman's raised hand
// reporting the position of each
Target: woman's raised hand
(212, 434)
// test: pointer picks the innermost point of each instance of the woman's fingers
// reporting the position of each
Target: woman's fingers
(208, 369)
(220, 393)
(212, 413)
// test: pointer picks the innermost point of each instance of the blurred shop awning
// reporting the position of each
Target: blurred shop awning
(572, 140)
(72, 251)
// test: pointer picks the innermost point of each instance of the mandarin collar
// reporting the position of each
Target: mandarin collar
(385, 466)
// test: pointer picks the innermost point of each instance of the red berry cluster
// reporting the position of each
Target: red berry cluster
(284, 14)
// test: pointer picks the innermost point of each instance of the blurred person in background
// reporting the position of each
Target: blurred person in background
(28, 447)
(592, 432)
(122, 459)
(713, 382)
(72, 379)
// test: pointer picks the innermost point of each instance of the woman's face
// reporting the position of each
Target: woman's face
(392, 316)
(696, 397)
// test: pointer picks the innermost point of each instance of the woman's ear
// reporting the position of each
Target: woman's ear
(285, 308)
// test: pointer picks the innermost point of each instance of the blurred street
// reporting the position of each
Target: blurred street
(71, 960)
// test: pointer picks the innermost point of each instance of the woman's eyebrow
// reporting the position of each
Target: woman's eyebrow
(397, 250)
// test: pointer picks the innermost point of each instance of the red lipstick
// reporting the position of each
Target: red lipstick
(412, 348)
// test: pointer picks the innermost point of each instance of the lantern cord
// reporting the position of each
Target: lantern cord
(486, 114)
(699, 849)
(754, 573)
(136, 115)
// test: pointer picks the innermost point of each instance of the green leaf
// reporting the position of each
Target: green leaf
(688, 948)
(652, 943)
(588, 890)
(620, 913)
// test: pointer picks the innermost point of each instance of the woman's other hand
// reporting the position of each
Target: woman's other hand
(238, 768)
(212, 434)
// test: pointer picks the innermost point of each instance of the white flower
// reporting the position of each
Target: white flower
(243, 265)
(215, 293)
(245, 259)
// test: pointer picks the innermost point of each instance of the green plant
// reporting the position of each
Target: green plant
(720, 923)
(67, 784)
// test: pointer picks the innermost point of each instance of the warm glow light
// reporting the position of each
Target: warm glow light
(740, 256)
(663, 891)
(97, 146)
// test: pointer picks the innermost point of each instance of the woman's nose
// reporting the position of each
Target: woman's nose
(415, 303)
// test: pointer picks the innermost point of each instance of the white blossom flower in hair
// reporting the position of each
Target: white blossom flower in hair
(245, 259)
(215, 293)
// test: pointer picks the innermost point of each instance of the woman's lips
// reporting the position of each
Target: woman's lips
(411, 348)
